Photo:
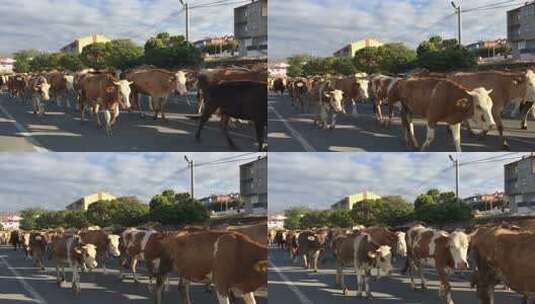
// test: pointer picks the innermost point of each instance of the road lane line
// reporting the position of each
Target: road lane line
(304, 143)
(24, 284)
(301, 296)
(28, 135)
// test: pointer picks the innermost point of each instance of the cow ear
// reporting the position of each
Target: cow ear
(260, 266)
(372, 255)
(110, 89)
(77, 250)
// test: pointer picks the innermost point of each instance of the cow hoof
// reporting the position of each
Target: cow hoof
(524, 127)
(369, 297)
(345, 292)
(424, 287)
(506, 147)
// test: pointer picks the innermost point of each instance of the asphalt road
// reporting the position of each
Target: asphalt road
(291, 130)
(20, 282)
(289, 283)
(61, 131)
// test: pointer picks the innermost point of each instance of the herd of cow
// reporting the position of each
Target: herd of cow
(238, 93)
(494, 253)
(232, 258)
(476, 99)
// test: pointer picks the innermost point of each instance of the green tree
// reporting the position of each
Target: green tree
(29, 218)
(437, 207)
(440, 55)
(315, 219)
(101, 213)
(123, 54)
(95, 55)
(51, 219)
(129, 211)
(368, 59)
(168, 51)
(296, 64)
(343, 66)
(177, 208)
(76, 219)
(23, 58)
(71, 62)
(341, 218)
(293, 217)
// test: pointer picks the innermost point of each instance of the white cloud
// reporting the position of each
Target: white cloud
(317, 180)
(54, 180)
(321, 27)
(48, 25)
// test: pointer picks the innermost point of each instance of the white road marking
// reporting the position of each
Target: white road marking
(25, 284)
(304, 143)
(28, 135)
(301, 296)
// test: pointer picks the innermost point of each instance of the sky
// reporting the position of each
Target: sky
(48, 25)
(317, 180)
(320, 27)
(54, 180)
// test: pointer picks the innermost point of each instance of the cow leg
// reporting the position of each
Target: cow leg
(412, 266)
(354, 105)
(423, 282)
(140, 108)
(525, 110)
(316, 256)
(378, 111)
(207, 113)
(163, 102)
(156, 107)
(59, 279)
(160, 283)
(107, 117)
(115, 114)
(183, 287)
(333, 121)
(75, 280)
(260, 129)
(305, 259)
(95, 111)
(222, 299)
(367, 275)
(430, 136)
(496, 113)
(456, 133)
(133, 264)
(248, 298)
(445, 288)
(359, 283)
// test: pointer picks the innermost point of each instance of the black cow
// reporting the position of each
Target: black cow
(278, 86)
(14, 239)
(245, 100)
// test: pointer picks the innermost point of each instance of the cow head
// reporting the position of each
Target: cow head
(335, 98)
(113, 245)
(401, 245)
(123, 87)
(362, 85)
(88, 253)
(482, 105)
(530, 87)
(458, 245)
(382, 259)
(180, 80)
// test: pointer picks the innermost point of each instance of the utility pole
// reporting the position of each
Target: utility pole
(191, 165)
(456, 163)
(459, 21)
(185, 5)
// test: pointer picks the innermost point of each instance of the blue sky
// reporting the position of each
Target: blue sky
(53, 180)
(317, 180)
(320, 27)
(48, 25)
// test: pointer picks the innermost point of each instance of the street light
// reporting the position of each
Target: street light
(459, 20)
(456, 162)
(191, 165)
(185, 5)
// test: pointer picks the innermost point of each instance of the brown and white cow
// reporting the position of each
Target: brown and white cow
(369, 255)
(380, 86)
(503, 253)
(106, 92)
(309, 245)
(439, 100)
(158, 84)
(240, 266)
(299, 90)
(355, 88)
(445, 251)
(106, 244)
(71, 252)
(37, 247)
(61, 87)
(516, 87)
(39, 94)
(330, 105)
(141, 245)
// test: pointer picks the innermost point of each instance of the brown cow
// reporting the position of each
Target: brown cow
(507, 87)
(61, 87)
(240, 265)
(354, 88)
(104, 90)
(39, 93)
(256, 232)
(106, 244)
(309, 245)
(368, 255)
(493, 247)
(380, 86)
(71, 252)
(158, 84)
(439, 100)
(37, 245)
(445, 250)
(279, 85)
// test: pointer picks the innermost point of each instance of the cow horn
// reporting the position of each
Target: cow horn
(490, 91)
